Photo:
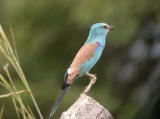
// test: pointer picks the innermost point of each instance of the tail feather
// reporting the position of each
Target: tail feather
(64, 85)
(55, 106)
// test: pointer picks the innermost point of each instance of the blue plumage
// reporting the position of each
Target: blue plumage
(98, 34)
(85, 59)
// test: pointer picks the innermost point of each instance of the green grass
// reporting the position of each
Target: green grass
(10, 54)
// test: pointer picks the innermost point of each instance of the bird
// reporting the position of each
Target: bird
(85, 59)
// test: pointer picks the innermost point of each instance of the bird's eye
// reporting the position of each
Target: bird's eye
(105, 27)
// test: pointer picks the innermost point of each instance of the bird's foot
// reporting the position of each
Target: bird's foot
(92, 77)
(92, 82)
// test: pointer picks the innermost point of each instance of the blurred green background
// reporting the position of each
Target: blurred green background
(48, 34)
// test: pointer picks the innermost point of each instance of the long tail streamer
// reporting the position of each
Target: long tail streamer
(55, 106)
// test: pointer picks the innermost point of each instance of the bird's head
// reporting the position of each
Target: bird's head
(99, 30)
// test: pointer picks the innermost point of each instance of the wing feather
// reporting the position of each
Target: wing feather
(85, 53)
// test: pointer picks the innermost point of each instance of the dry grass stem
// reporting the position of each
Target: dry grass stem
(12, 58)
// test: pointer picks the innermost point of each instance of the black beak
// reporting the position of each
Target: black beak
(111, 27)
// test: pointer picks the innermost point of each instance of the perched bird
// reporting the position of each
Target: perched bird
(85, 59)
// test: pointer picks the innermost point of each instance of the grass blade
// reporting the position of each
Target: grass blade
(8, 52)
(1, 112)
(16, 107)
(10, 94)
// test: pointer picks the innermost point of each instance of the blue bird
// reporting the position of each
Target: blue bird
(85, 59)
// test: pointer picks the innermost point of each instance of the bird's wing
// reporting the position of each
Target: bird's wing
(85, 53)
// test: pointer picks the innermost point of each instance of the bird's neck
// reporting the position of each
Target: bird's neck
(100, 38)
